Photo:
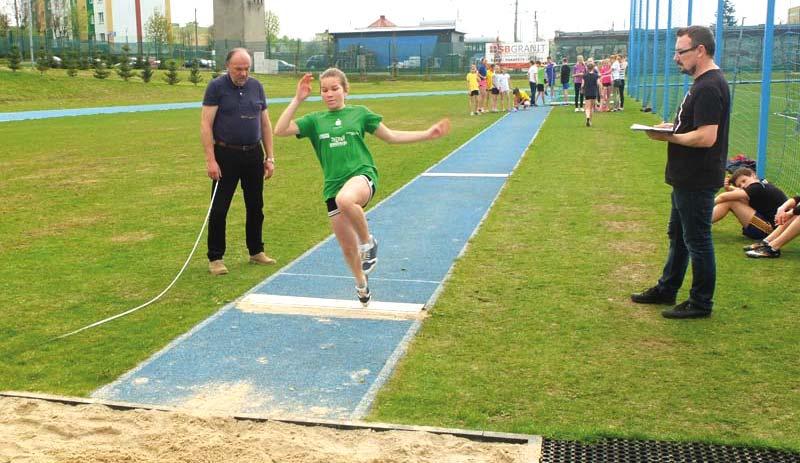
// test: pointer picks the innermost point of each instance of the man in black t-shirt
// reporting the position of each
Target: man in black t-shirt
(754, 202)
(696, 153)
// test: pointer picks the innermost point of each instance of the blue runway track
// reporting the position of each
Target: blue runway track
(55, 113)
(321, 365)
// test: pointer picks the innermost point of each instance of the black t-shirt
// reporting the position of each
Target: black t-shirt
(707, 103)
(590, 89)
(765, 198)
(565, 71)
(238, 118)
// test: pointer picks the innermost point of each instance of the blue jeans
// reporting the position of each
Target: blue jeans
(689, 234)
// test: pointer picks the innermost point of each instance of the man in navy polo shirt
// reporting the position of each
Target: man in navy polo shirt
(237, 139)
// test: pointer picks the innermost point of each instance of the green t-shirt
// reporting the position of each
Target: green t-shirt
(338, 141)
(541, 75)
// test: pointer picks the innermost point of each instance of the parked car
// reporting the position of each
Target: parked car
(284, 66)
(316, 62)
(413, 62)
(202, 62)
(131, 62)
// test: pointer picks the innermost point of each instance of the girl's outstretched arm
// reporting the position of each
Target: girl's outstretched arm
(435, 131)
(286, 125)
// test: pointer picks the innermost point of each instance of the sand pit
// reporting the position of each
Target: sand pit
(33, 430)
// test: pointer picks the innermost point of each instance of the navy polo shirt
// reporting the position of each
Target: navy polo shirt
(238, 118)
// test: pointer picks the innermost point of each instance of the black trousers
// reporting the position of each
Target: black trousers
(247, 167)
(578, 95)
(621, 87)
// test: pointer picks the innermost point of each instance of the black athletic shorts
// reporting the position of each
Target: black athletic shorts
(333, 209)
(474, 93)
(495, 91)
(539, 87)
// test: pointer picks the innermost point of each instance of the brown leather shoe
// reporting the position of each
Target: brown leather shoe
(217, 267)
(262, 259)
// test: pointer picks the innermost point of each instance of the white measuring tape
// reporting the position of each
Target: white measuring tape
(185, 264)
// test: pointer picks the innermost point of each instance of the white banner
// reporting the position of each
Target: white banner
(516, 55)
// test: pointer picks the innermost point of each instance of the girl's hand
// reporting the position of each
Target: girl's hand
(439, 129)
(304, 87)
(726, 184)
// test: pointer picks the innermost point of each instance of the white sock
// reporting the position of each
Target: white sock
(366, 246)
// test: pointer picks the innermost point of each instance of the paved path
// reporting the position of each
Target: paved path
(52, 113)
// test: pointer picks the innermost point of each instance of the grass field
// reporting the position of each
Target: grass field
(28, 90)
(533, 333)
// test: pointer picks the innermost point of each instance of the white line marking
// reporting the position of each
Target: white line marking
(346, 277)
(786, 116)
(292, 305)
(457, 174)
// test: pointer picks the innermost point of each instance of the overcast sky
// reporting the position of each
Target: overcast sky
(302, 19)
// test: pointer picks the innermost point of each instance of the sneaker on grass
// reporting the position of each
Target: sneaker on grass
(653, 296)
(756, 245)
(686, 310)
(764, 252)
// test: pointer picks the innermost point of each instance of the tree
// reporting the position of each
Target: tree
(171, 76)
(14, 58)
(157, 30)
(194, 74)
(728, 15)
(71, 63)
(124, 70)
(42, 60)
(100, 69)
(272, 25)
(147, 71)
(210, 34)
(83, 63)
(216, 70)
(5, 25)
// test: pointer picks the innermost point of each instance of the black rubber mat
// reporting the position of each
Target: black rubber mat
(624, 451)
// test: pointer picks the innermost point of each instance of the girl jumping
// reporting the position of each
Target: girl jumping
(351, 178)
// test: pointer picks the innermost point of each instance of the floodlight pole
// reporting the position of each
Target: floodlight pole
(665, 109)
(30, 31)
(195, 33)
(766, 81)
(720, 33)
(652, 100)
(516, 11)
(689, 23)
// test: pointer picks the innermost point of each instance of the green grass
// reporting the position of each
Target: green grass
(30, 90)
(533, 332)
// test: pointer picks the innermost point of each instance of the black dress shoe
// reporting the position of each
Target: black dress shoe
(653, 296)
(686, 310)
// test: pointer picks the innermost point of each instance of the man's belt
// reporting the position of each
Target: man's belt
(236, 147)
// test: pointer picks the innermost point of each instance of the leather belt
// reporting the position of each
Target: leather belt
(236, 147)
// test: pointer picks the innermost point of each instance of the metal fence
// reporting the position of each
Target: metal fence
(760, 61)
(371, 57)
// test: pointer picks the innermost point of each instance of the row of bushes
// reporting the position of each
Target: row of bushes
(125, 66)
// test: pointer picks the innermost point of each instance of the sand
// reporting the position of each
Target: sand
(33, 430)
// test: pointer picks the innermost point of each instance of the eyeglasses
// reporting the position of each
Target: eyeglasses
(686, 50)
